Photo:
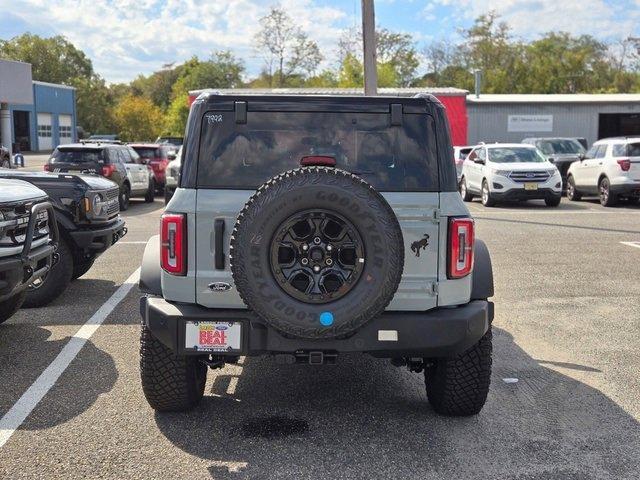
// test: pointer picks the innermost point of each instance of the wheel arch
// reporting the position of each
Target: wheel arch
(482, 276)
(150, 271)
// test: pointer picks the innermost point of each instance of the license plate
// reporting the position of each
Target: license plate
(530, 186)
(213, 336)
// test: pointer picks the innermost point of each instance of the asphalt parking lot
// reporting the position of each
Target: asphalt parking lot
(564, 401)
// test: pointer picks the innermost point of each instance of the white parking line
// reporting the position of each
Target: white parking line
(36, 392)
(631, 244)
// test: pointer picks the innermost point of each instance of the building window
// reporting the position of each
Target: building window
(65, 132)
(44, 130)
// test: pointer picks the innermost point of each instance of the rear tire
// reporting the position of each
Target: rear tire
(607, 198)
(11, 305)
(572, 193)
(487, 199)
(168, 194)
(553, 201)
(459, 386)
(151, 192)
(125, 194)
(171, 383)
(464, 191)
(54, 283)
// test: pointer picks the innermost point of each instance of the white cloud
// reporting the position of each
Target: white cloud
(530, 18)
(128, 37)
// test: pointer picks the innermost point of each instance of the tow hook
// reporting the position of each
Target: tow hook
(312, 358)
(413, 364)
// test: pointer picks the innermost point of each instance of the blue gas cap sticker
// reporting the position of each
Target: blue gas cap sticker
(326, 319)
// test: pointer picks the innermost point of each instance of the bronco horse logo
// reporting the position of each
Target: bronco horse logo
(420, 245)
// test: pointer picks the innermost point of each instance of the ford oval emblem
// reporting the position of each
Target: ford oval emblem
(219, 287)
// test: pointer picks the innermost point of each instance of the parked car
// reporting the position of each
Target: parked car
(459, 154)
(562, 152)
(507, 172)
(106, 159)
(141, 178)
(157, 157)
(5, 157)
(175, 141)
(172, 177)
(301, 255)
(28, 241)
(610, 169)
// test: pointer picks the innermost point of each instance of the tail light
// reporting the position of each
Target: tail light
(625, 164)
(461, 239)
(108, 170)
(46, 167)
(173, 243)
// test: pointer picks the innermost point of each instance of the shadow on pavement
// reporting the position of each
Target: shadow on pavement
(91, 373)
(363, 418)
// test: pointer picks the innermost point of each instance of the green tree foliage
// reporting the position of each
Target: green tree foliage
(137, 119)
(288, 52)
(53, 59)
(94, 101)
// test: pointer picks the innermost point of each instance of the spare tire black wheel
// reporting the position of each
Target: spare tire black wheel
(317, 253)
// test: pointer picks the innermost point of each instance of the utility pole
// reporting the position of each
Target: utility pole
(369, 48)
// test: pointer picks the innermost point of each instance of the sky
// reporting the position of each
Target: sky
(125, 38)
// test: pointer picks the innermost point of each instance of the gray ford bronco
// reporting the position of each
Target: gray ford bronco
(305, 227)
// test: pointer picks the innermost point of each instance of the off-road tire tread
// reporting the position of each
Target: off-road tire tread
(11, 305)
(459, 386)
(299, 177)
(169, 381)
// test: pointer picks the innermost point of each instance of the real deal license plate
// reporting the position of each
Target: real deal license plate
(213, 336)
(530, 186)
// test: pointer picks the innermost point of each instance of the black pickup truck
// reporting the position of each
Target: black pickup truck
(28, 238)
(88, 218)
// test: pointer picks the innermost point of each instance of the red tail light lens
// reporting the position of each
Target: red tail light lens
(461, 239)
(108, 170)
(46, 167)
(625, 164)
(173, 243)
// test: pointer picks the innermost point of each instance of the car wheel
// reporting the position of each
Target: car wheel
(5, 163)
(151, 192)
(125, 195)
(80, 268)
(168, 194)
(46, 289)
(572, 192)
(317, 253)
(607, 198)
(553, 201)
(464, 192)
(487, 199)
(458, 386)
(11, 305)
(170, 382)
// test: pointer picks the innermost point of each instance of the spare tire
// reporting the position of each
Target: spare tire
(317, 253)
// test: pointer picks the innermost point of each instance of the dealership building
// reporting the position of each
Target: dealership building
(509, 118)
(34, 116)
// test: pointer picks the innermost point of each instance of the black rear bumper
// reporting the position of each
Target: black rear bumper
(97, 240)
(440, 332)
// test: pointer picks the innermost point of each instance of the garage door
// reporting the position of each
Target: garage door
(45, 142)
(64, 127)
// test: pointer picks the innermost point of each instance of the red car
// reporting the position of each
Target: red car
(157, 157)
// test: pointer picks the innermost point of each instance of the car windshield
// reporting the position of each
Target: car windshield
(515, 155)
(77, 155)
(560, 146)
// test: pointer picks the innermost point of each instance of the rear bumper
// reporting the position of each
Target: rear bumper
(631, 189)
(522, 194)
(97, 240)
(440, 332)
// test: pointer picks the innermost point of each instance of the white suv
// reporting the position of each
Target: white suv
(509, 171)
(610, 169)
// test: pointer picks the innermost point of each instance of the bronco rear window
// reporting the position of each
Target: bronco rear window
(390, 158)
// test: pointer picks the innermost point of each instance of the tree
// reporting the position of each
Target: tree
(137, 119)
(53, 59)
(94, 101)
(286, 49)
